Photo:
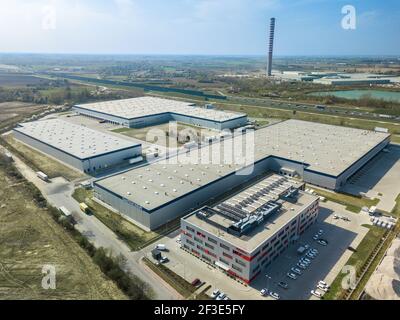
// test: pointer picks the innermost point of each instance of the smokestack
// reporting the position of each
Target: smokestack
(271, 47)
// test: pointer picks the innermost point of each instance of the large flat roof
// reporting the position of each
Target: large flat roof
(78, 141)
(148, 106)
(327, 149)
(267, 229)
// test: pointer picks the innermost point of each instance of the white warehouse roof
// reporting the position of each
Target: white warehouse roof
(75, 140)
(323, 148)
(148, 106)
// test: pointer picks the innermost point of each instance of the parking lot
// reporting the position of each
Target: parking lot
(330, 260)
(379, 179)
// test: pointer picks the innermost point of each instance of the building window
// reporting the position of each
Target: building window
(209, 246)
(224, 261)
(237, 268)
(227, 255)
(190, 229)
(224, 247)
(198, 240)
(240, 262)
(212, 240)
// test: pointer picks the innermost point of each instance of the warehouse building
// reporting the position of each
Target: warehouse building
(322, 155)
(82, 148)
(149, 111)
(244, 234)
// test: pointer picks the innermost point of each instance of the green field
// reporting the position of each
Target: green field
(30, 239)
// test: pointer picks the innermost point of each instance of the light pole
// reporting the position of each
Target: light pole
(268, 281)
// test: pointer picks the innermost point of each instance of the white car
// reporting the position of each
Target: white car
(215, 293)
(320, 232)
(302, 266)
(274, 295)
(324, 284)
(306, 260)
(323, 288)
(264, 292)
(310, 255)
(292, 276)
(221, 296)
(316, 237)
(316, 293)
(296, 270)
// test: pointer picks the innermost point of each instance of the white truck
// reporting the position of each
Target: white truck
(42, 176)
(161, 247)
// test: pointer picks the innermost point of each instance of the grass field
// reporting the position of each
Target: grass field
(19, 80)
(30, 239)
(352, 203)
(14, 112)
(135, 237)
(41, 162)
(357, 259)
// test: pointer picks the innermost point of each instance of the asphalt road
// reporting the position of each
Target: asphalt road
(59, 193)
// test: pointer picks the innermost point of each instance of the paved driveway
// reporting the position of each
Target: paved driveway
(380, 176)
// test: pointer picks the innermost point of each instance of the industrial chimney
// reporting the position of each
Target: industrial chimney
(271, 47)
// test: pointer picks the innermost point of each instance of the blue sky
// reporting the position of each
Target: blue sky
(231, 27)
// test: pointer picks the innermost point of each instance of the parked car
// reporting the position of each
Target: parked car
(310, 255)
(325, 289)
(316, 293)
(322, 243)
(321, 232)
(306, 260)
(161, 247)
(221, 296)
(292, 276)
(324, 284)
(274, 295)
(264, 292)
(316, 237)
(196, 282)
(164, 260)
(215, 293)
(296, 271)
(302, 266)
(283, 285)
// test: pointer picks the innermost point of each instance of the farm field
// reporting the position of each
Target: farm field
(30, 239)
(18, 80)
